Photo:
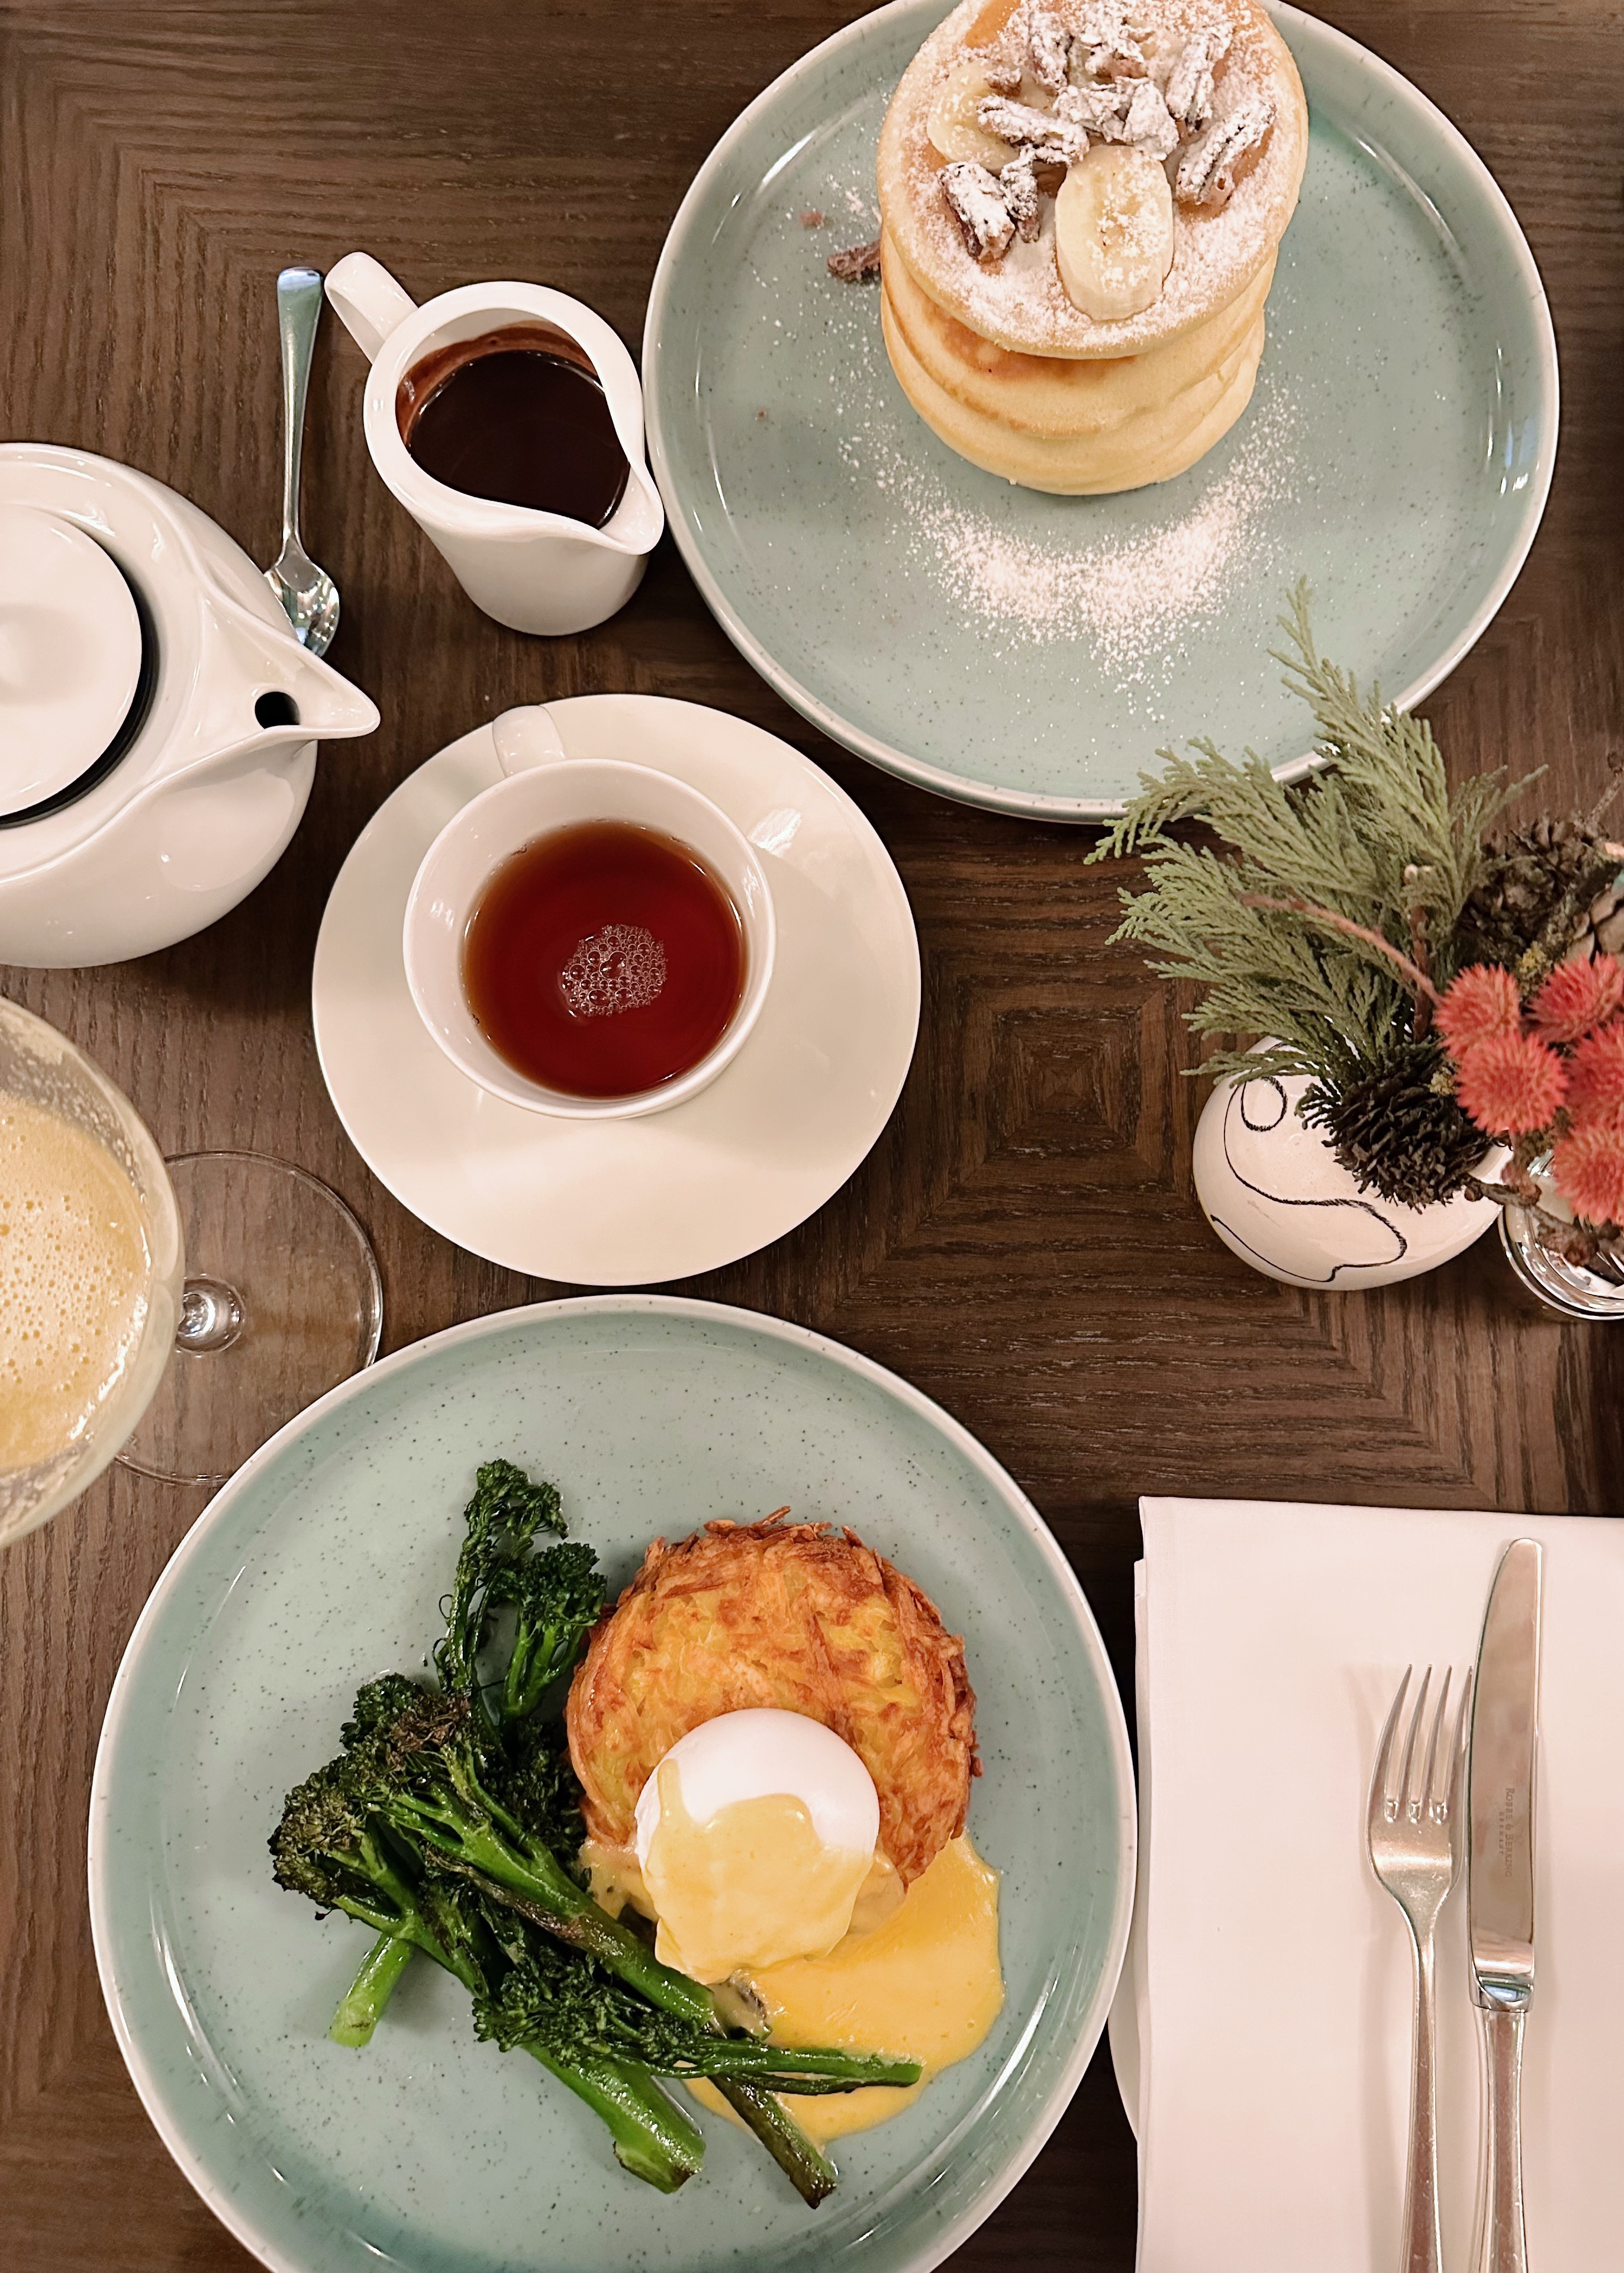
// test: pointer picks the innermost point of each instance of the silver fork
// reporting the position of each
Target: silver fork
(1414, 1830)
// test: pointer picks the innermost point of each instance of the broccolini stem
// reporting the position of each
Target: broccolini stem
(654, 2138)
(807, 2168)
(814, 2074)
(534, 1884)
(369, 1991)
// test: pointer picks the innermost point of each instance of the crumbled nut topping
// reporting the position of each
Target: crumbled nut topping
(1205, 174)
(1189, 92)
(1018, 180)
(1023, 122)
(976, 197)
(1048, 50)
(1096, 83)
(857, 264)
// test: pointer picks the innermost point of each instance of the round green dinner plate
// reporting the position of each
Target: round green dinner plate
(322, 1563)
(1031, 653)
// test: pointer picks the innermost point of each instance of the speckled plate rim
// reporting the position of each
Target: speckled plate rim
(161, 2107)
(684, 232)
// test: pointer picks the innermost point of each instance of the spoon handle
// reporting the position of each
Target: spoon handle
(298, 311)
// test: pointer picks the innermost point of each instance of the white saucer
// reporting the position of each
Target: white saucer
(69, 654)
(634, 1203)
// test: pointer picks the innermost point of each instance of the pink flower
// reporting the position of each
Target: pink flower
(1588, 1167)
(1596, 1079)
(1578, 997)
(1510, 1084)
(1479, 1003)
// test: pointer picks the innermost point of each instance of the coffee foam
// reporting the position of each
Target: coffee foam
(74, 1271)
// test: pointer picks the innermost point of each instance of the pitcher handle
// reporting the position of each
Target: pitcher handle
(368, 301)
(527, 738)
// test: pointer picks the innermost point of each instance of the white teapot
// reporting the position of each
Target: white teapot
(158, 718)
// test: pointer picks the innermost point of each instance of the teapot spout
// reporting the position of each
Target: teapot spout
(314, 698)
(276, 690)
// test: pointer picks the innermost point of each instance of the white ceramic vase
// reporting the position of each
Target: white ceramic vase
(1277, 1195)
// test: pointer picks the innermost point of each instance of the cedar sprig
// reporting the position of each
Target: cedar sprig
(1328, 919)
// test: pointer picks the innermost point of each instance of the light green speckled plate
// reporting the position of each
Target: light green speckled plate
(1030, 652)
(322, 1563)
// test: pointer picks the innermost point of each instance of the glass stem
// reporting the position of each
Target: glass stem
(211, 1317)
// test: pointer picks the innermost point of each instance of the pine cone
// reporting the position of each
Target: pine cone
(1601, 929)
(1394, 1132)
(1538, 869)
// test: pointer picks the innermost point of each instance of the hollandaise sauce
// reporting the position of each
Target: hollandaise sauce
(924, 1985)
(752, 1885)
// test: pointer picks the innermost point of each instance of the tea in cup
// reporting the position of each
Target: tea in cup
(589, 938)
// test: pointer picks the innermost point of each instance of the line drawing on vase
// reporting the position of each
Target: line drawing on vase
(1237, 1097)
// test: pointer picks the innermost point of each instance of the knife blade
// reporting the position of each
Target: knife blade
(1505, 1728)
(1505, 1717)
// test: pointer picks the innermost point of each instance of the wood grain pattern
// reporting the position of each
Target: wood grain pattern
(1023, 1242)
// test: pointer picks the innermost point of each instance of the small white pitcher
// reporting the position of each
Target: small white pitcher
(534, 572)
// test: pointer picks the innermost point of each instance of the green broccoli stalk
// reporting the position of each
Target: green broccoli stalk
(654, 2138)
(325, 1848)
(556, 1597)
(413, 1762)
(501, 1521)
(418, 1768)
(362, 2005)
(549, 1997)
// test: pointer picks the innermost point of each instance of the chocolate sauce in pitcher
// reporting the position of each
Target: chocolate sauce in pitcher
(518, 416)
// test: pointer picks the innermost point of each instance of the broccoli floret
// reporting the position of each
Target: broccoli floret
(326, 1847)
(502, 1520)
(378, 1706)
(537, 1786)
(557, 1598)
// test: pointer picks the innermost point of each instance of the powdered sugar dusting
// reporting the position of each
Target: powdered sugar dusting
(1131, 601)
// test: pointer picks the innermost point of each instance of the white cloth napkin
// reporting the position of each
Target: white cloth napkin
(1269, 1974)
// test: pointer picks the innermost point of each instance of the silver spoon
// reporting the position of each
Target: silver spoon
(307, 593)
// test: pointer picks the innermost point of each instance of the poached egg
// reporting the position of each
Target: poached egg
(755, 1835)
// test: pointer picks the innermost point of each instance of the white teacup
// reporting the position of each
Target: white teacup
(534, 572)
(545, 790)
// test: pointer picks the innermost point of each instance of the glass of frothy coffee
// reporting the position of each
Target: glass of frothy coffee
(172, 1315)
(90, 1270)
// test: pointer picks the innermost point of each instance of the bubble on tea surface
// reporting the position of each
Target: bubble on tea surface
(620, 968)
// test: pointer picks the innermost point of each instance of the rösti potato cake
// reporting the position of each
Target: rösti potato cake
(798, 1616)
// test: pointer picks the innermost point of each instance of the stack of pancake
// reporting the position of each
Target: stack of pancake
(988, 343)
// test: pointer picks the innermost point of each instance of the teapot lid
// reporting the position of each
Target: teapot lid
(70, 657)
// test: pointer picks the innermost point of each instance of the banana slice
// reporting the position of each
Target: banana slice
(953, 128)
(1113, 232)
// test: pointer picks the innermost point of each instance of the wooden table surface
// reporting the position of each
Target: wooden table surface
(1023, 1243)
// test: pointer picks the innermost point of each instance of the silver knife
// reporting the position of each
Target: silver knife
(1505, 1721)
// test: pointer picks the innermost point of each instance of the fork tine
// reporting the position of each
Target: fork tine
(1429, 1780)
(1379, 1774)
(1462, 1739)
(1407, 1796)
